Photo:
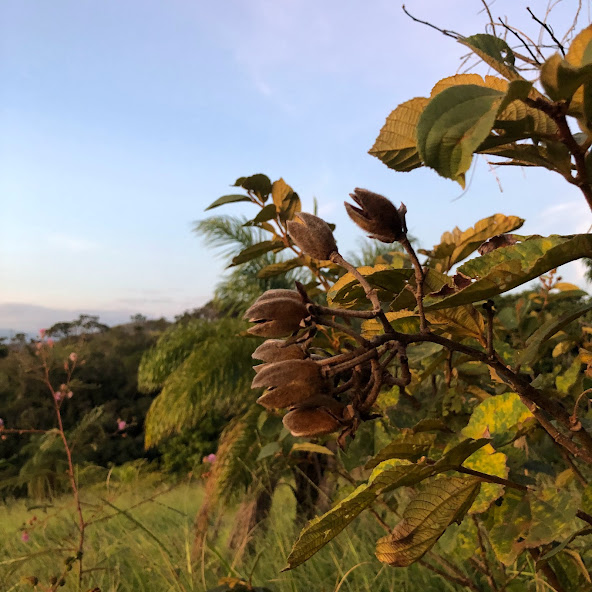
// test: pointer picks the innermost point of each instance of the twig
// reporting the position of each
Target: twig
(574, 416)
(492, 479)
(511, 30)
(319, 310)
(584, 516)
(486, 8)
(419, 280)
(488, 306)
(549, 30)
(368, 289)
(487, 568)
(446, 32)
(333, 370)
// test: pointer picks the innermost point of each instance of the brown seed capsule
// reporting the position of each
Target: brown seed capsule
(289, 383)
(377, 215)
(311, 422)
(276, 350)
(312, 235)
(278, 313)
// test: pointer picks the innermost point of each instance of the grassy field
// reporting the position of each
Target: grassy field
(145, 546)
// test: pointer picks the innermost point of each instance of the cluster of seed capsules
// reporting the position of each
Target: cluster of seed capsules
(322, 394)
(292, 377)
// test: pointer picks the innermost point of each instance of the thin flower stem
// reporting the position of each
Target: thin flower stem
(73, 484)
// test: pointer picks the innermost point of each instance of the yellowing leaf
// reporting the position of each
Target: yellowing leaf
(347, 292)
(487, 460)
(404, 321)
(562, 348)
(429, 513)
(566, 381)
(385, 477)
(280, 192)
(459, 244)
(497, 415)
(532, 121)
(508, 267)
(396, 144)
(464, 321)
(408, 446)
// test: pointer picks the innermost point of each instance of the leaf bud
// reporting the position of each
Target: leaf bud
(309, 422)
(277, 313)
(289, 383)
(313, 235)
(277, 350)
(378, 216)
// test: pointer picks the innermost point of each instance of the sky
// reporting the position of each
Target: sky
(122, 120)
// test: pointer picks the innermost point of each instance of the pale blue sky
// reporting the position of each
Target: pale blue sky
(121, 120)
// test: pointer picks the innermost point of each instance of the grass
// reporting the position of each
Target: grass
(145, 546)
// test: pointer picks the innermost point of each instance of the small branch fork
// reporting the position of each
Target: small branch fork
(543, 408)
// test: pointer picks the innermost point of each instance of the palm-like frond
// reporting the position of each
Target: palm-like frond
(227, 231)
(233, 469)
(242, 284)
(214, 376)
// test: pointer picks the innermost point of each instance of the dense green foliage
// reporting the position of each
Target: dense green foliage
(105, 392)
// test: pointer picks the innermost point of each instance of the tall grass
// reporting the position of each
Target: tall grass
(145, 546)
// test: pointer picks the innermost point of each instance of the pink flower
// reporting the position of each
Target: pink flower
(69, 394)
(121, 425)
(50, 342)
(42, 333)
(1, 424)
(73, 356)
(25, 536)
(211, 459)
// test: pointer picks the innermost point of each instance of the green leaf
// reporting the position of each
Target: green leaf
(517, 121)
(426, 518)
(495, 52)
(228, 199)
(396, 144)
(278, 268)
(546, 331)
(511, 520)
(259, 184)
(455, 123)
(408, 446)
(508, 267)
(429, 424)
(257, 250)
(310, 447)
(387, 476)
(347, 292)
(267, 213)
(268, 450)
